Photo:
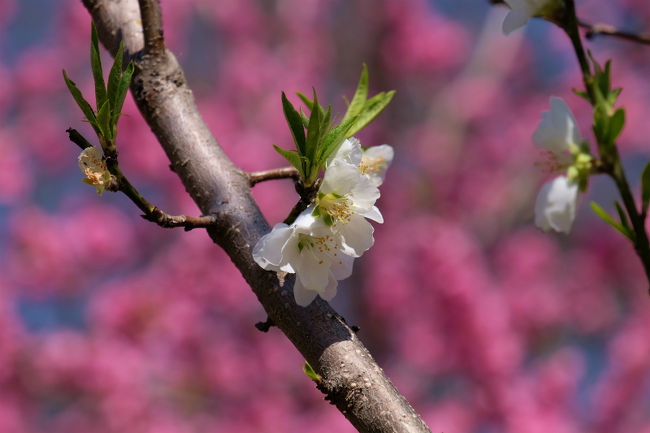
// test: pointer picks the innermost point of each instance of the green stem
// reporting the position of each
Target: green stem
(611, 158)
(641, 244)
(570, 26)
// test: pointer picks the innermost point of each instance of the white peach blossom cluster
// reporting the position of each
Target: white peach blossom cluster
(322, 243)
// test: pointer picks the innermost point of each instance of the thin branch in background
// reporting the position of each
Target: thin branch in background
(600, 29)
(154, 42)
(256, 177)
(593, 30)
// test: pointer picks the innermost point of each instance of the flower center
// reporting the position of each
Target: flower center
(323, 247)
(371, 165)
(333, 207)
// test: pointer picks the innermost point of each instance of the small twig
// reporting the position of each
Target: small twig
(154, 42)
(78, 139)
(593, 30)
(163, 219)
(277, 173)
(119, 182)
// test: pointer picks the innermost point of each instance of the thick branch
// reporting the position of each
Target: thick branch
(351, 378)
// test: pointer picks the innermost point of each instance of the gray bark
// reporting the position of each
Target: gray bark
(351, 379)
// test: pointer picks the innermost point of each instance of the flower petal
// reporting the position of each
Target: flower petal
(357, 236)
(376, 161)
(268, 252)
(556, 203)
(349, 151)
(342, 268)
(302, 295)
(330, 291)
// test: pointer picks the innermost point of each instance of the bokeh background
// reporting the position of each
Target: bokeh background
(110, 324)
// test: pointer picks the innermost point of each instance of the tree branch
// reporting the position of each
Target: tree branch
(256, 177)
(350, 377)
(154, 42)
(593, 30)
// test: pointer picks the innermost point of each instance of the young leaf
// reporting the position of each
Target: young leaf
(609, 220)
(616, 123)
(96, 65)
(82, 103)
(104, 121)
(309, 371)
(293, 158)
(310, 103)
(125, 81)
(313, 132)
(622, 216)
(360, 96)
(645, 187)
(295, 124)
(371, 110)
(114, 78)
(333, 139)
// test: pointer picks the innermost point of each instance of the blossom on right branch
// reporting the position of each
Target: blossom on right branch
(555, 207)
(558, 134)
(523, 10)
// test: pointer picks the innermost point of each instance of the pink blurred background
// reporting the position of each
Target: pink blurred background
(110, 324)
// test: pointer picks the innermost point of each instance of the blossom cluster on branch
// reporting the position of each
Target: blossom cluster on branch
(321, 245)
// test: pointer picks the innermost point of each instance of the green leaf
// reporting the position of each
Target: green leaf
(333, 139)
(622, 216)
(295, 124)
(645, 187)
(616, 123)
(360, 96)
(582, 94)
(371, 110)
(82, 103)
(310, 103)
(104, 121)
(309, 371)
(609, 220)
(313, 132)
(114, 78)
(293, 158)
(125, 81)
(96, 65)
(304, 118)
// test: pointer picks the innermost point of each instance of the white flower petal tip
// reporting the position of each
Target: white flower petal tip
(555, 207)
(521, 11)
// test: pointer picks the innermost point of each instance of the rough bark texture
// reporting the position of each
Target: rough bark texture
(350, 377)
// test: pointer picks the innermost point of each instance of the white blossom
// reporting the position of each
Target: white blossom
(555, 207)
(310, 249)
(558, 132)
(94, 167)
(345, 199)
(523, 10)
(375, 161)
(372, 162)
